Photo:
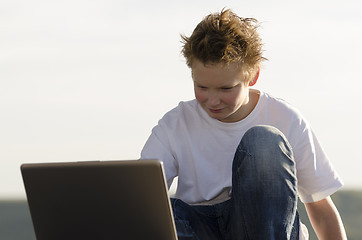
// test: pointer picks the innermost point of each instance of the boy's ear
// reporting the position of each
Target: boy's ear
(255, 79)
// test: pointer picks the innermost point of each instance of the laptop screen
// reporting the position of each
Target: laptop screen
(99, 200)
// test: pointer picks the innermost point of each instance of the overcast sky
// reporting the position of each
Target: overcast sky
(87, 80)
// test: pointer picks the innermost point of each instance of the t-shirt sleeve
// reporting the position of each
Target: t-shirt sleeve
(316, 176)
(158, 147)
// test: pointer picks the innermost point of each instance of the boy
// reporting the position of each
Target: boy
(241, 156)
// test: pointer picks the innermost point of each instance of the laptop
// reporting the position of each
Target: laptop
(99, 200)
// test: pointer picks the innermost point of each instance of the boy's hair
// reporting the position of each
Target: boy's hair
(225, 38)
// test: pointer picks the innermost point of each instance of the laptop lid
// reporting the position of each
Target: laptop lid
(99, 200)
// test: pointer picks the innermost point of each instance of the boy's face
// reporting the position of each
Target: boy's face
(221, 91)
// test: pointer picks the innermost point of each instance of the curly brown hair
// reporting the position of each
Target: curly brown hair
(225, 38)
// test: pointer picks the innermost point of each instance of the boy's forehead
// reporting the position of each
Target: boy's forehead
(218, 73)
(198, 65)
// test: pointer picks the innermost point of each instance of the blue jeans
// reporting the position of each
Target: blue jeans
(263, 203)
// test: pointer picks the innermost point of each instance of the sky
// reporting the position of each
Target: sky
(87, 80)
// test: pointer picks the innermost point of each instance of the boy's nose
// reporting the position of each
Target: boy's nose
(213, 99)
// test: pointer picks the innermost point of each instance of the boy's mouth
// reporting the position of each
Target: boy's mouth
(215, 110)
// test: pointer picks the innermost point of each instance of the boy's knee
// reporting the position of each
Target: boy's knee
(266, 143)
(264, 137)
(263, 133)
(265, 157)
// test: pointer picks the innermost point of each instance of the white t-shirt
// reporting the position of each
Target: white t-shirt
(200, 150)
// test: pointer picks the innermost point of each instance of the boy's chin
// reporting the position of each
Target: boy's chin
(219, 118)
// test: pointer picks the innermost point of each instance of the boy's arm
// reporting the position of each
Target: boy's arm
(325, 219)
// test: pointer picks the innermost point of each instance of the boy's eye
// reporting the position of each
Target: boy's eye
(227, 88)
(202, 87)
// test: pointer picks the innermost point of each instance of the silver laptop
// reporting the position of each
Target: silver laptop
(99, 200)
